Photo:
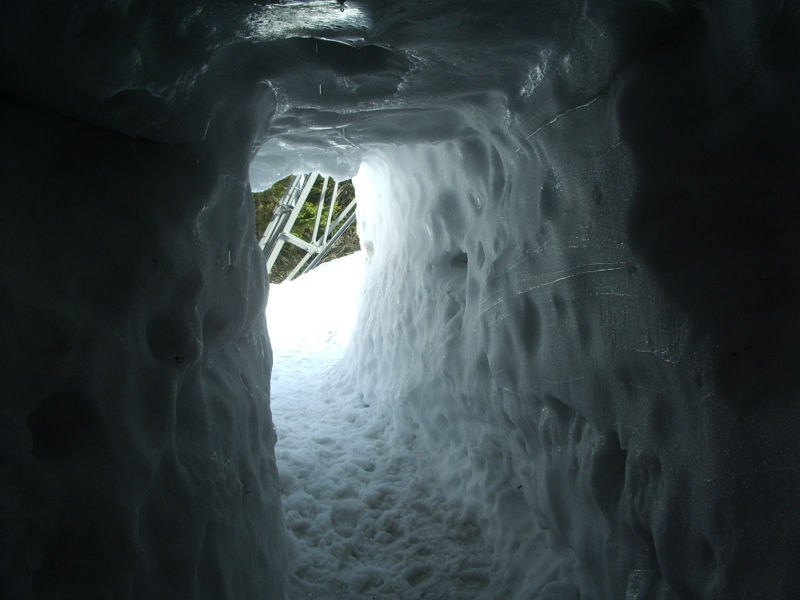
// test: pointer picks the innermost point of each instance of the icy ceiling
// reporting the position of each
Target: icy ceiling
(582, 298)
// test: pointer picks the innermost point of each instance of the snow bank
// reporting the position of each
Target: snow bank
(580, 298)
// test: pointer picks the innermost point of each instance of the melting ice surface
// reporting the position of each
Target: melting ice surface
(366, 514)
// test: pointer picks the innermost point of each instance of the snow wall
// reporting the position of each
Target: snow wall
(582, 293)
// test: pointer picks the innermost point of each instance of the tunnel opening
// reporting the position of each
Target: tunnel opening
(363, 505)
(303, 221)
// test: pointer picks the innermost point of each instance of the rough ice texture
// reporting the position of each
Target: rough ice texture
(582, 293)
(589, 317)
(136, 439)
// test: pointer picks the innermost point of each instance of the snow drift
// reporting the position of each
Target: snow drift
(581, 297)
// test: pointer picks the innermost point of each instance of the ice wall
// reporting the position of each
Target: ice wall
(137, 445)
(589, 318)
(581, 297)
(574, 410)
(135, 435)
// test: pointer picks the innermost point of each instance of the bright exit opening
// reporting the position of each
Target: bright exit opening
(303, 221)
(365, 516)
(307, 234)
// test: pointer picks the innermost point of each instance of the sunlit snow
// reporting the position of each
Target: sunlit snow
(365, 513)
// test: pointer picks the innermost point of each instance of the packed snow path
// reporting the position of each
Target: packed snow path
(365, 517)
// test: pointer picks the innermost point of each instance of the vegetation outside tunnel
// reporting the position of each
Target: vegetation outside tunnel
(265, 203)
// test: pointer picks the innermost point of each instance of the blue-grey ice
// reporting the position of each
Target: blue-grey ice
(579, 305)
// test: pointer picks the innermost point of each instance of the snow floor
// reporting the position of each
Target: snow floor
(365, 515)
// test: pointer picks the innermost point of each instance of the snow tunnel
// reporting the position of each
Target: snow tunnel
(581, 303)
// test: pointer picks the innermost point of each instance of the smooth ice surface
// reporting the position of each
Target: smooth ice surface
(581, 300)
(366, 516)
